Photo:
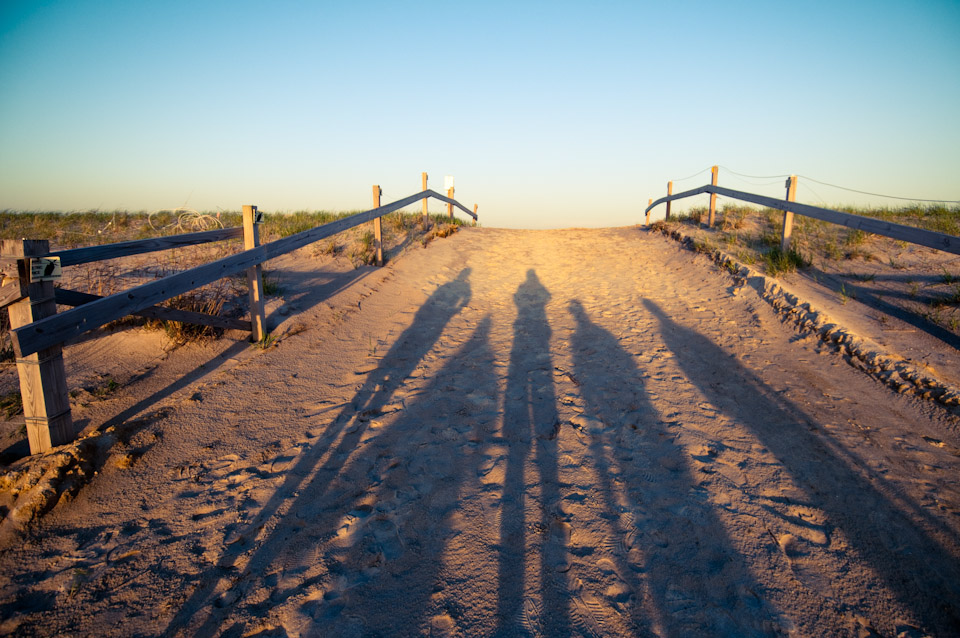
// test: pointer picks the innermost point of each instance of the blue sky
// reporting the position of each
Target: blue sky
(547, 114)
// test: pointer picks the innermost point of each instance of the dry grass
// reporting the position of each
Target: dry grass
(70, 230)
(917, 279)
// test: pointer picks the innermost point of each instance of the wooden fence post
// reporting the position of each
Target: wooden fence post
(251, 239)
(426, 215)
(713, 198)
(377, 227)
(43, 379)
(669, 192)
(787, 215)
(475, 212)
(649, 203)
(450, 206)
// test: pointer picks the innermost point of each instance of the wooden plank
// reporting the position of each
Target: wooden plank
(713, 198)
(8, 267)
(670, 198)
(788, 215)
(43, 379)
(74, 322)
(911, 234)
(11, 291)
(87, 254)
(251, 239)
(377, 227)
(66, 297)
(448, 200)
(426, 215)
(669, 192)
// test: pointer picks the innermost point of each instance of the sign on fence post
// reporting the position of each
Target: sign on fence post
(377, 227)
(669, 192)
(251, 239)
(426, 215)
(713, 198)
(787, 215)
(43, 379)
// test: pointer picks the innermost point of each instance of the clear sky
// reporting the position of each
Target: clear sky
(548, 114)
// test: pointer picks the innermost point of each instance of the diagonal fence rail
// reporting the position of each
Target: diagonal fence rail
(38, 332)
(911, 234)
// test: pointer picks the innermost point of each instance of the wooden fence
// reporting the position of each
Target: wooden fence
(911, 234)
(38, 332)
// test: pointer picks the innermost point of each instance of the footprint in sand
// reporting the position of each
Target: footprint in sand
(803, 565)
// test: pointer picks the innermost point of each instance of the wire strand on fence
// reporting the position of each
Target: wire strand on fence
(753, 176)
(683, 179)
(907, 199)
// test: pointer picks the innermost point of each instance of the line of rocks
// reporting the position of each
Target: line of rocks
(891, 369)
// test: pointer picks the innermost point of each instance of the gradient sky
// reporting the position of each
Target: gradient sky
(548, 114)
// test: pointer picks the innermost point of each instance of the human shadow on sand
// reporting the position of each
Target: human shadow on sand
(893, 535)
(308, 481)
(680, 569)
(531, 426)
(398, 542)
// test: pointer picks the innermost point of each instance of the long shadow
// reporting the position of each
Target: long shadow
(693, 574)
(394, 558)
(892, 538)
(338, 443)
(871, 298)
(531, 425)
(306, 290)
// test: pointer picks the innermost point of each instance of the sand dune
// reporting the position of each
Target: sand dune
(512, 433)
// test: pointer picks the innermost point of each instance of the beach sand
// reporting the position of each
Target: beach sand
(509, 433)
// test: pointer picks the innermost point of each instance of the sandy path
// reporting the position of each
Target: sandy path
(516, 433)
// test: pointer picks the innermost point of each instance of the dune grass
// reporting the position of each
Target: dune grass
(74, 229)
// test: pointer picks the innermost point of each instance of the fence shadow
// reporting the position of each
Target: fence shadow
(893, 538)
(694, 581)
(531, 426)
(878, 301)
(309, 480)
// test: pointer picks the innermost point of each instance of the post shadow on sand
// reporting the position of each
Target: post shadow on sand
(531, 425)
(922, 574)
(338, 443)
(691, 571)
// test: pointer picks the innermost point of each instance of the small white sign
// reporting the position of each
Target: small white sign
(447, 182)
(45, 269)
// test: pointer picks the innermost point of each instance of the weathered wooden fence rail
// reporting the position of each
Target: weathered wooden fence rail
(911, 234)
(38, 332)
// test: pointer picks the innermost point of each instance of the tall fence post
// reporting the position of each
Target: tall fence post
(649, 204)
(475, 212)
(713, 197)
(450, 206)
(43, 379)
(426, 215)
(377, 227)
(251, 239)
(787, 215)
(669, 192)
